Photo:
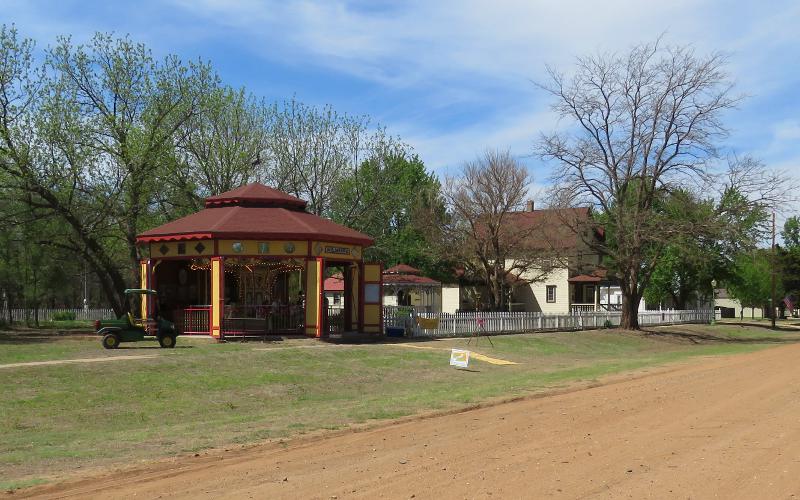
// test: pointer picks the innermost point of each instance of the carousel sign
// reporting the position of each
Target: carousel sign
(337, 250)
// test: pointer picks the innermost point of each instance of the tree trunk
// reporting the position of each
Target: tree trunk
(630, 313)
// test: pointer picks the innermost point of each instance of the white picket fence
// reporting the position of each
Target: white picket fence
(20, 315)
(467, 323)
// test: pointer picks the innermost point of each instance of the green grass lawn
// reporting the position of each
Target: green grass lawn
(57, 418)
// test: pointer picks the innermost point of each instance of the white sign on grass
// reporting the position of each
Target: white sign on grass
(459, 358)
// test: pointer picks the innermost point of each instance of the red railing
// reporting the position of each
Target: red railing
(196, 321)
(255, 320)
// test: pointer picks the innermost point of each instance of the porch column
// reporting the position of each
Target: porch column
(217, 297)
(597, 297)
(314, 296)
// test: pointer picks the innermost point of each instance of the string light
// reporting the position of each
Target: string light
(273, 269)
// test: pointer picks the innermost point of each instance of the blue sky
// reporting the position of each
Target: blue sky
(452, 78)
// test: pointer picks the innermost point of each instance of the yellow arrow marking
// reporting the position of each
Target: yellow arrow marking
(474, 354)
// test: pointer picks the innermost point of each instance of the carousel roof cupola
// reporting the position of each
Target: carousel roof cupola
(255, 211)
(256, 195)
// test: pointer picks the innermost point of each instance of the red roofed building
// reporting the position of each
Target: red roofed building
(250, 212)
(404, 285)
(334, 291)
(574, 281)
(252, 262)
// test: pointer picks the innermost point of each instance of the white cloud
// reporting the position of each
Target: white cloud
(425, 41)
(787, 130)
(428, 61)
(477, 53)
(445, 152)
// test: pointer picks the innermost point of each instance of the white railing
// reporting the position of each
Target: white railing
(467, 323)
(48, 314)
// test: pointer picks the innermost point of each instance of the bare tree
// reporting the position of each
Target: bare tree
(640, 125)
(223, 146)
(313, 149)
(483, 231)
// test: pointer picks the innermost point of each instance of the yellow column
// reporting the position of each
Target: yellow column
(217, 297)
(314, 296)
(355, 292)
(144, 282)
(373, 299)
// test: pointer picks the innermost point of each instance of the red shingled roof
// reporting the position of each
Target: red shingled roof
(402, 269)
(408, 279)
(597, 276)
(585, 278)
(255, 194)
(403, 274)
(258, 212)
(334, 284)
(549, 229)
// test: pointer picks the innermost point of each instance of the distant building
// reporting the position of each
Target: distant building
(732, 308)
(334, 291)
(404, 285)
(574, 280)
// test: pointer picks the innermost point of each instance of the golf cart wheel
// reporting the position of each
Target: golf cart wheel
(167, 341)
(110, 341)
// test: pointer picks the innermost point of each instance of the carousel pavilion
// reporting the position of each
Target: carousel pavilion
(253, 262)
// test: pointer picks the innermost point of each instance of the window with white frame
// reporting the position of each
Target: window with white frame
(551, 293)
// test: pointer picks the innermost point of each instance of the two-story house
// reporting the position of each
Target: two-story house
(567, 276)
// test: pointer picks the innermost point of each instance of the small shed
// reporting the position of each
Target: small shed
(404, 285)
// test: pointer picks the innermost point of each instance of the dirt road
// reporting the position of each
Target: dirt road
(717, 427)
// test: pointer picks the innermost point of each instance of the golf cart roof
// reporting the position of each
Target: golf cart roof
(143, 291)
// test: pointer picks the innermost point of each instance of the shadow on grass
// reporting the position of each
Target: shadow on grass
(14, 338)
(764, 325)
(133, 346)
(699, 338)
(37, 337)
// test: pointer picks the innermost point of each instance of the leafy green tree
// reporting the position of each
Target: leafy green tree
(751, 283)
(101, 141)
(789, 256)
(791, 232)
(126, 108)
(386, 198)
(84, 140)
(687, 266)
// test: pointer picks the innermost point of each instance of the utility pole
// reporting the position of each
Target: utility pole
(772, 296)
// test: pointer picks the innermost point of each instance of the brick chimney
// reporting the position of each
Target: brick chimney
(529, 206)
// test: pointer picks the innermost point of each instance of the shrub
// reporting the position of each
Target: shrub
(64, 316)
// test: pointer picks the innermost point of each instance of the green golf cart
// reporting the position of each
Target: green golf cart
(129, 329)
